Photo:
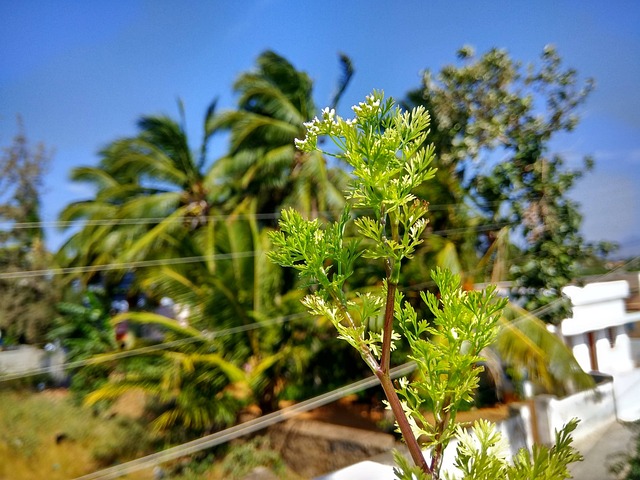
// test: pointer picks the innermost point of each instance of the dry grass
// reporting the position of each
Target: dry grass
(44, 435)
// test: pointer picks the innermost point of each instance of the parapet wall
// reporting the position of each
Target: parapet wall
(26, 359)
(597, 332)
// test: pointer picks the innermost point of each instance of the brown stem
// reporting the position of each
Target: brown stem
(403, 423)
(438, 450)
(382, 372)
(447, 416)
(388, 327)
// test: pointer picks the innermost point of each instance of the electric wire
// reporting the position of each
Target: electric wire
(214, 218)
(195, 259)
(62, 224)
(242, 429)
(604, 276)
(542, 309)
(257, 325)
(125, 265)
(107, 357)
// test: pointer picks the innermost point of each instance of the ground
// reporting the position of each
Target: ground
(69, 447)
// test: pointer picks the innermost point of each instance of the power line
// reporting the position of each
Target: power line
(175, 343)
(259, 216)
(214, 218)
(132, 221)
(127, 265)
(165, 345)
(540, 310)
(151, 348)
(195, 259)
(551, 305)
(244, 328)
(242, 429)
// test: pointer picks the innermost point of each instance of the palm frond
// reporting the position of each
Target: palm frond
(87, 210)
(232, 372)
(150, 318)
(347, 71)
(114, 390)
(524, 341)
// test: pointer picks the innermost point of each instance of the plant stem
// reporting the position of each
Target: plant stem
(438, 450)
(403, 423)
(388, 327)
(393, 275)
(382, 372)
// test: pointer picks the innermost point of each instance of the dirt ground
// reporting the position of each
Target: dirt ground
(350, 413)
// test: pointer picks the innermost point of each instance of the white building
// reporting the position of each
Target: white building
(598, 332)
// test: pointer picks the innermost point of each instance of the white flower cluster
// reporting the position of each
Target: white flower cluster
(309, 142)
(328, 115)
(368, 108)
(331, 124)
(317, 127)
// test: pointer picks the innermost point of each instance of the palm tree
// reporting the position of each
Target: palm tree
(274, 102)
(150, 192)
(232, 284)
(159, 200)
(235, 287)
(183, 388)
(205, 381)
(237, 315)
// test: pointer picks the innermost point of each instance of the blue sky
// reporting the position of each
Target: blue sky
(81, 73)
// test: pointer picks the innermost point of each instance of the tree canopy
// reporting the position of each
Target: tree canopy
(493, 121)
(27, 303)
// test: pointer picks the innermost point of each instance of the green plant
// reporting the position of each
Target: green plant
(257, 452)
(46, 435)
(384, 147)
(27, 303)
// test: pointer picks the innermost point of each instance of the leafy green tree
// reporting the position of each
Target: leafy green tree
(554, 249)
(27, 302)
(83, 328)
(493, 120)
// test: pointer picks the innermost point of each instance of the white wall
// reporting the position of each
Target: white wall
(27, 358)
(600, 308)
(594, 408)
